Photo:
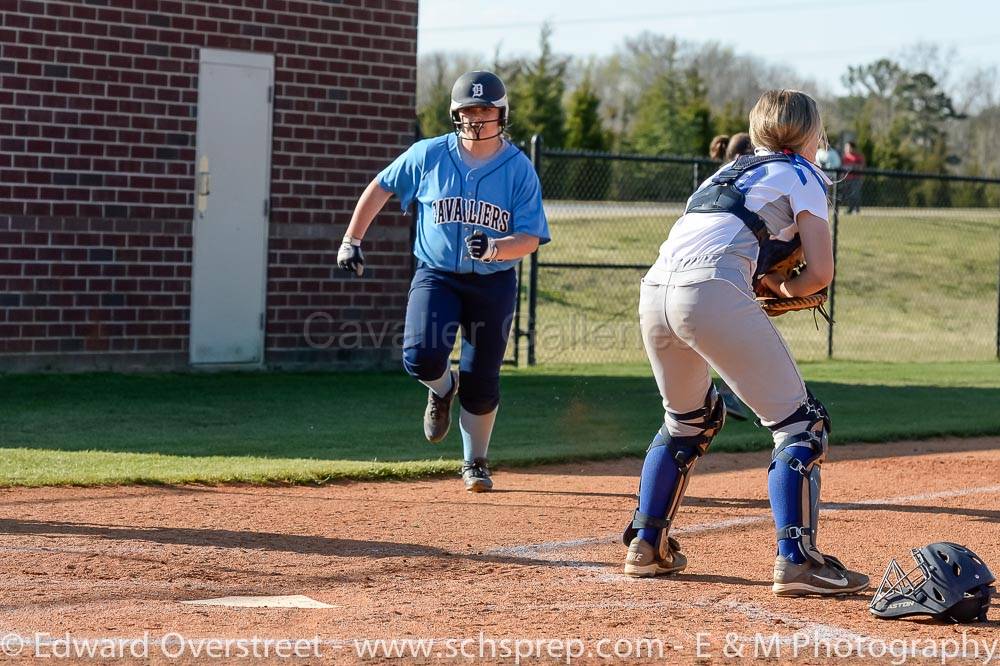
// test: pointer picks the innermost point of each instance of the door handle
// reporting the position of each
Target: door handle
(204, 185)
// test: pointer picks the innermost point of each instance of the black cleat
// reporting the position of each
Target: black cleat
(437, 416)
(477, 475)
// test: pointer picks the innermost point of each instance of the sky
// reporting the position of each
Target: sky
(818, 38)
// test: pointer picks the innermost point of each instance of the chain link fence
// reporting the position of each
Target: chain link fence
(918, 263)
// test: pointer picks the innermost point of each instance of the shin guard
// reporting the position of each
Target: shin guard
(794, 478)
(667, 470)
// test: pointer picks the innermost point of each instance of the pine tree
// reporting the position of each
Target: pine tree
(584, 130)
(672, 117)
(587, 178)
(536, 96)
(732, 119)
(434, 117)
(695, 114)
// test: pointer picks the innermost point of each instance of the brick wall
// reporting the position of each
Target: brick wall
(98, 109)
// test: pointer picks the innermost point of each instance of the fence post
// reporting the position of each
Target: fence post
(518, 333)
(696, 180)
(536, 160)
(833, 283)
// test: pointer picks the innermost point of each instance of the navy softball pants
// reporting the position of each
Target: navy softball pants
(481, 307)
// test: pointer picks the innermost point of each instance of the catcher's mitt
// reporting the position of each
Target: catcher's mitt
(788, 266)
(775, 306)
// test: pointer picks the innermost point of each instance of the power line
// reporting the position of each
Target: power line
(715, 12)
(986, 40)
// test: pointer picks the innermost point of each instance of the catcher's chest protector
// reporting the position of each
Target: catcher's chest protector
(722, 196)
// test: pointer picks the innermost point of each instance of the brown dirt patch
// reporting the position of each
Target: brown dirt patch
(537, 558)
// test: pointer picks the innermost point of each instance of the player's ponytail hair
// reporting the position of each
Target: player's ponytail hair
(785, 120)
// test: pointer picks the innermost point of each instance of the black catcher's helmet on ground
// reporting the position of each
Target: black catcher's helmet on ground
(954, 585)
(479, 88)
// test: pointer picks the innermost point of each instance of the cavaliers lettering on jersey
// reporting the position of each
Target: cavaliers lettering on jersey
(499, 198)
(470, 211)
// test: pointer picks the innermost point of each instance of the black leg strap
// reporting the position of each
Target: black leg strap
(643, 521)
(699, 413)
(640, 521)
(684, 451)
(802, 467)
(811, 411)
(793, 532)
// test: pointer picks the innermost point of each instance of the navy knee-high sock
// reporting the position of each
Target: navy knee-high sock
(784, 488)
(659, 479)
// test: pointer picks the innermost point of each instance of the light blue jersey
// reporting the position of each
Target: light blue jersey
(499, 198)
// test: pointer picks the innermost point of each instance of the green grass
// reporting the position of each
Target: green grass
(912, 285)
(308, 428)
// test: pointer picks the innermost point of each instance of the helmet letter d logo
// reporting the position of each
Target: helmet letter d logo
(477, 89)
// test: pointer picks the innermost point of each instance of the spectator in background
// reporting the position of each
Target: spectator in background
(728, 148)
(717, 149)
(853, 163)
(828, 158)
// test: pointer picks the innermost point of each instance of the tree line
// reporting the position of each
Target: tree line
(657, 95)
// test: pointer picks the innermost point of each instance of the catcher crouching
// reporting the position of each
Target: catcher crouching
(697, 310)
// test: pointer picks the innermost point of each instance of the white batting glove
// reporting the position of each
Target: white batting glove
(350, 257)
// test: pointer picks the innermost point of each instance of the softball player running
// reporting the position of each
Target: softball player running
(479, 210)
(696, 309)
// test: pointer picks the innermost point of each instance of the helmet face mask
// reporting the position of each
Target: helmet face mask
(473, 129)
(479, 89)
(949, 582)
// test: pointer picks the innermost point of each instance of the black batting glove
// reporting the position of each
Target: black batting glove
(481, 247)
(350, 257)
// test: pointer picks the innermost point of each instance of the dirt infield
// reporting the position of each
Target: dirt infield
(539, 558)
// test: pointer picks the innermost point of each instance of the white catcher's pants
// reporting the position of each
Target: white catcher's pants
(690, 324)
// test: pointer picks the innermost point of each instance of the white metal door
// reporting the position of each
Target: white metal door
(229, 271)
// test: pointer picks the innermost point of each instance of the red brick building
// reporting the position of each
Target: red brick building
(175, 178)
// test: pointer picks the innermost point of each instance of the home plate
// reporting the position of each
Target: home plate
(288, 601)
